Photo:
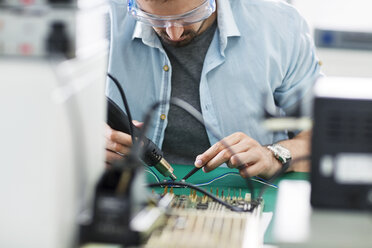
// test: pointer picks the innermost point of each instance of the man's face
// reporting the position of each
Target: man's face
(175, 35)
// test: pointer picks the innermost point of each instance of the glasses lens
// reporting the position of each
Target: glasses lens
(196, 15)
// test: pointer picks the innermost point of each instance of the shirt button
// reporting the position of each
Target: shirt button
(320, 62)
(166, 68)
(163, 116)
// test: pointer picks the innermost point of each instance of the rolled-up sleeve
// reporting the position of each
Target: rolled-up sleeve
(302, 72)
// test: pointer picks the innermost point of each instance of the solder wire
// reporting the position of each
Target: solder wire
(152, 172)
(256, 179)
(282, 171)
(265, 183)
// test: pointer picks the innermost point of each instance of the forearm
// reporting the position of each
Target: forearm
(299, 147)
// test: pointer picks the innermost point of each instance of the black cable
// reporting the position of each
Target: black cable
(213, 197)
(125, 103)
(281, 172)
(194, 113)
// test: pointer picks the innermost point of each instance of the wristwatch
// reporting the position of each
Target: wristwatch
(280, 153)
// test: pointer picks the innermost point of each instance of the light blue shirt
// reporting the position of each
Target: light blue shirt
(261, 48)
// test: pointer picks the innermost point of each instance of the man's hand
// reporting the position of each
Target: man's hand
(240, 151)
(118, 143)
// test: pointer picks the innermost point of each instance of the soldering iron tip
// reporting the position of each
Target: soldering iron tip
(173, 176)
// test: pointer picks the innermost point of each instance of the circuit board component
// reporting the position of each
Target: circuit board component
(197, 221)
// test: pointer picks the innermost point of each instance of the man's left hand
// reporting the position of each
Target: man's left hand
(240, 151)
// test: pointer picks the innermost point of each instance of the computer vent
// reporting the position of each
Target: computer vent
(347, 126)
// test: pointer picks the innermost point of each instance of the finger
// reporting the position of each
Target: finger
(252, 170)
(216, 148)
(116, 147)
(107, 131)
(117, 136)
(120, 137)
(242, 152)
(225, 156)
(250, 156)
(137, 123)
(112, 157)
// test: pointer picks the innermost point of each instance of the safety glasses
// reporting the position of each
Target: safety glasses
(193, 16)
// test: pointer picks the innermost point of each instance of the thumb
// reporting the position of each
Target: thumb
(137, 123)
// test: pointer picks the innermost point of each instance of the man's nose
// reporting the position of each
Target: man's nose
(174, 32)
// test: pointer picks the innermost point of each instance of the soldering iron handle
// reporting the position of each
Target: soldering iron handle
(118, 120)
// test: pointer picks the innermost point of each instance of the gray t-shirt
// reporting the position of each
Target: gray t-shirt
(185, 137)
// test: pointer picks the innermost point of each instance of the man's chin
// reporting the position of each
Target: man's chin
(180, 43)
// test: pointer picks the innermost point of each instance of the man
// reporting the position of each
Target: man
(222, 57)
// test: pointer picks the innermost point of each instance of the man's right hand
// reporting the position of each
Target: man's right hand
(118, 143)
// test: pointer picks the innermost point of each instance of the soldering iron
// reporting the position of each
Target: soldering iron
(153, 156)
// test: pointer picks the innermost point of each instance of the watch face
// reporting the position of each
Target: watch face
(281, 153)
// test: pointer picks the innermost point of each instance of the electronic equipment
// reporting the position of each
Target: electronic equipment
(51, 3)
(342, 34)
(119, 195)
(178, 219)
(343, 39)
(341, 173)
(153, 156)
(197, 221)
(344, 52)
(52, 109)
(41, 31)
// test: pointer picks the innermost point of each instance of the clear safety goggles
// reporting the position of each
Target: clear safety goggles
(193, 16)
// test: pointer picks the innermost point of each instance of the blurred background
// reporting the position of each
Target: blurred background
(343, 34)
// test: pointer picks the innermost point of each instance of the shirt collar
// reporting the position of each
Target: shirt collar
(147, 34)
(226, 25)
